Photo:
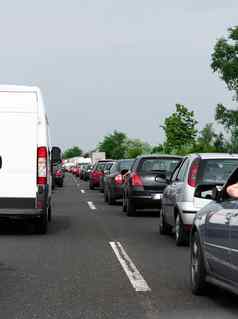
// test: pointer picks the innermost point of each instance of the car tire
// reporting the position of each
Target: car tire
(164, 228)
(42, 225)
(111, 200)
(105, 196)
(197, 267)
(124, 203)
(181, 236)
(49, 213)
(91, 186)
(130, 207)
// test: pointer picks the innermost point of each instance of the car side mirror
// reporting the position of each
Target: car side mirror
(208, 191)
(56, 155)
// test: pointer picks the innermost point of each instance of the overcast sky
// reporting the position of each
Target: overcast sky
(115, 64)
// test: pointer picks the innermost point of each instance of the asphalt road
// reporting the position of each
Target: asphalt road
(73, 272)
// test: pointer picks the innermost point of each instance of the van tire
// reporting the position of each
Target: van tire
(41, 225)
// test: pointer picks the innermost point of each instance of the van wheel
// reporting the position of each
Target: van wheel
(181, 236)
(197, 267)
(130, 207)
(49, 213)
(164, 228)
(41, 225)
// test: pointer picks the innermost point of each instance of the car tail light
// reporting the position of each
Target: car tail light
(192, 176)
(136, 180)
(42, 165)
(58, 173)
(118, 179)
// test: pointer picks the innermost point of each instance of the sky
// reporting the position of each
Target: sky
(115, 64)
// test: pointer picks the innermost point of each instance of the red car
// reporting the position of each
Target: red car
(96, 173)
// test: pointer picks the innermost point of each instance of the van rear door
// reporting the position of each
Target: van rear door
(18, 145)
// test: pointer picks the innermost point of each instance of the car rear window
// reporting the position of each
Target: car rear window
(100, 166)
(126, 164)
(159, 164)
(217, 170)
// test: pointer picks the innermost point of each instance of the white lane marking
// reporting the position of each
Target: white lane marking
(130, 269)
(91, 205)
(75, 181)
(82, 191)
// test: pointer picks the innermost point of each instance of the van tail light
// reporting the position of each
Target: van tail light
(118, 179)
(42, 165)
(192, 176)
(136, 180)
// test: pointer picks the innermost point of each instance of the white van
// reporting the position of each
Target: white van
(25, 151)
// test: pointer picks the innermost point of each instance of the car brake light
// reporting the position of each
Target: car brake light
(42, 165)
(58, 173)
(118, 179)
(192, 176)
(136, 180)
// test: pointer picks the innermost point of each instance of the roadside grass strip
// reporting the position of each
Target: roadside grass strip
(133, 274)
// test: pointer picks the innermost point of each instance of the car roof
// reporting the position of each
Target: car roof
(18, 88)
(161, 156)
(214, 155)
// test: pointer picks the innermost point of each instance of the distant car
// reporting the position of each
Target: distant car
(113, 188)
(106, 172)
(96, 173)
(178, 204)
(214, 244)
(145, 183)
(86, 170)
(59, 176)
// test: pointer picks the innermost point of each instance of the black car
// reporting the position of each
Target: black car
(113, 188)
(86, 170)
(58, 175)
(106, 171)
(213, 243)
(144, 185)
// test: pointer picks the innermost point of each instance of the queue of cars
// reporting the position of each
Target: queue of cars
(191, 194)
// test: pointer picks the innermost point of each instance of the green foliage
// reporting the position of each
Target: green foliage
(72, 152)
(159, 149)
(180, 130)
(225, 59)
(136, 147)
(114, 145)
(229, 119)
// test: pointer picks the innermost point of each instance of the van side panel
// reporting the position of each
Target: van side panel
(18, 145)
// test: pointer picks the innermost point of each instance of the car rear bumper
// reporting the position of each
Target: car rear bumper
(20, 213)
(143, 200)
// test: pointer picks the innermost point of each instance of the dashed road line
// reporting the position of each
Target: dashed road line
(91, 205)
(133, 274)
(82, 191)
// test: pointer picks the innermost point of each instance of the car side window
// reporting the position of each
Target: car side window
(135, 164)
(113, 168)
(183, 170)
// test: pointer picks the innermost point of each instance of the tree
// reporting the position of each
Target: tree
(225, 59)
(180, 130)
(136, 147)
(72, 152)
(229, 119)
(114, 145)
(158, 149)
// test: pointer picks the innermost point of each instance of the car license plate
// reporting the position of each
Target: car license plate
(157, 196)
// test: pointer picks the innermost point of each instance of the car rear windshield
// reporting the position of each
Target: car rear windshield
(126, 165)
(108, 165)
(159, 164)
(217, 170)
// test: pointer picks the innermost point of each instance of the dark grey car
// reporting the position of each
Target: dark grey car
(214, 240)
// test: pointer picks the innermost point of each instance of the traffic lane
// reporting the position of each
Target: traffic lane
(69, 273)
(164, 266)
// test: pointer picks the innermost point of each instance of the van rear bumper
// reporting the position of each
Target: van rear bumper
(21, 213)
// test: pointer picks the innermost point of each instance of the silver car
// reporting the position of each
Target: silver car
(179, 206)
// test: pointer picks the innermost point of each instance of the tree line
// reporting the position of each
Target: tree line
(180, 128)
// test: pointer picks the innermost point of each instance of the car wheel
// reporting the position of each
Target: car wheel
(111, 200)
(105, 196)
(130, 207)
(49, 213)
(123, 203)
(164, 228)
(41, 225)
(91, 186)
(181, 236)
(197, 267)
